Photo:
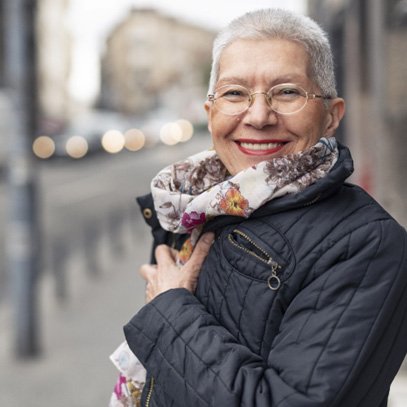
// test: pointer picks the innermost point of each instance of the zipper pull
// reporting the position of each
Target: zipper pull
(274, 281)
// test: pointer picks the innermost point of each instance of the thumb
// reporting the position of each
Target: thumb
(147, 270)
(200, 252)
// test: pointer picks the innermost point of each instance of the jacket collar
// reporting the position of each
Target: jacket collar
(320, 190)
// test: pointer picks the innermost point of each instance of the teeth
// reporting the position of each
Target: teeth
(260, 146)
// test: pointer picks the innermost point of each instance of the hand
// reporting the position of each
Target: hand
(166, 275)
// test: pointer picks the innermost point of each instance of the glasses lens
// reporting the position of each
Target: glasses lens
(232, 99)
(287, 98)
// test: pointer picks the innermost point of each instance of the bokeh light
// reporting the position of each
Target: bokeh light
(134, 139)
(76, 147)
(171, 133)
(43, 147)
(113, 141)
(187, 129)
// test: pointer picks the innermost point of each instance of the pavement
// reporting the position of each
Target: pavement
(79, 333)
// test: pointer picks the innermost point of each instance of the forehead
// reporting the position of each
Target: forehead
(264, 61)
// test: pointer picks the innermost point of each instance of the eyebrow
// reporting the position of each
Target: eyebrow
(231, 80)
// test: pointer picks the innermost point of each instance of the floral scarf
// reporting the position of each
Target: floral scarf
(189, 193)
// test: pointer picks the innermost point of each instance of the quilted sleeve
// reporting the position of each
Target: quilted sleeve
(341, 341)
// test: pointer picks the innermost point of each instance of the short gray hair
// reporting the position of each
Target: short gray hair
(281, 24)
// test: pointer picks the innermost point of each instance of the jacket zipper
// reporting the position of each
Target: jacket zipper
(273, 281)
(150, 392)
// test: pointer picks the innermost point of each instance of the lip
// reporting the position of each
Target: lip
(251, 146)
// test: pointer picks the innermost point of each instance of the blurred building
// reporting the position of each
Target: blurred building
(369, 38)
(2, 45)
(153, 61)
(53, 48)
(54, 58)
(4, 112)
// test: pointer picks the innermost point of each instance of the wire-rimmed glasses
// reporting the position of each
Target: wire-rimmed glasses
(284, 98)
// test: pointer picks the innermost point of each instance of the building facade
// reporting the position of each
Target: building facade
(369, 38)
(54, 54)
(153, 61)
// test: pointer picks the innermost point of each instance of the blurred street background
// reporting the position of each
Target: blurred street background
(95, 98)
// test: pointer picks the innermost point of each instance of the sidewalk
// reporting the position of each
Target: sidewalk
(79, 335)
(398, 392)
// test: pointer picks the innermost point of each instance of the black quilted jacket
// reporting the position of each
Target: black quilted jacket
(302, 305)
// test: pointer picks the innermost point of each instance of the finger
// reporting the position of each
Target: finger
(174, 253)
(146, 270)
(201, 250)
(164, 256)
(148, 293)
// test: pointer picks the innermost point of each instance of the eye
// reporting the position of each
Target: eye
(290, 91)
(232, 94)
(286, 92)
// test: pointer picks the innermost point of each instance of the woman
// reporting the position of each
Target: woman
(295, 294)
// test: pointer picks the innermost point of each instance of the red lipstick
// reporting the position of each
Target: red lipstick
(260, 147)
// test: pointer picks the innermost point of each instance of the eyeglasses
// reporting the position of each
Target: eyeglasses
(285, 98)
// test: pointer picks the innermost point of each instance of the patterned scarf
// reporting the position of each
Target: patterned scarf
(189, 193)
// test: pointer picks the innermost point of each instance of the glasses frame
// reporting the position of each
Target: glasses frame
(251, 95)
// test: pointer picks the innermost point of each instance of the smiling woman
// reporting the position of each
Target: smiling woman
(259, 132)
(266, 287)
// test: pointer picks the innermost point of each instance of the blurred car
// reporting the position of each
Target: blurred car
(83, 137)
(111, 132)
(165, 126)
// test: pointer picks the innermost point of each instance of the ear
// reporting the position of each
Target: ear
(208, 106)
(336, 111)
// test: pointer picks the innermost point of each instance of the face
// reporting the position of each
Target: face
(260, 134)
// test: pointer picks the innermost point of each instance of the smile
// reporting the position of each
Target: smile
(254, 147)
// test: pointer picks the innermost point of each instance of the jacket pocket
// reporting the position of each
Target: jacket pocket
(242, 241)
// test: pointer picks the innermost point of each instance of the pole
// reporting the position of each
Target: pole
(23, 232)
(377, 61)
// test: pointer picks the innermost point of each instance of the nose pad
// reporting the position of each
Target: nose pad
(260, 113)
(267, 100)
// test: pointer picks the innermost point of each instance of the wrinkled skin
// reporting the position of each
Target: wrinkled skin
(166, 274)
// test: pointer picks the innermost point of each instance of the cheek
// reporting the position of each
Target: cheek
(222, 126)
(309, 131)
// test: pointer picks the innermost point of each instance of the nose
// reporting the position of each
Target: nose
(259, 114)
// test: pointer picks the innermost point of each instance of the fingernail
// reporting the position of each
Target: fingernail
(208, 237)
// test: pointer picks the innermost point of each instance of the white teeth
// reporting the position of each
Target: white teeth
(260, 146)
